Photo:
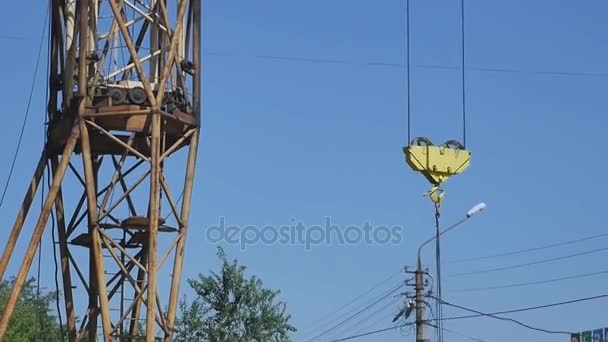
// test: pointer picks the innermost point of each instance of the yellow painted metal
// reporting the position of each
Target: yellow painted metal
(437, 163)
(436, 194)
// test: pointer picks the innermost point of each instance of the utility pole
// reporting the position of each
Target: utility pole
(419, 303)
(416, 302)
(124, 98)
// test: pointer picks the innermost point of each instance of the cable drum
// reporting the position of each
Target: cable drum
(421, 141)
(117, 95)
(453, 144)
(137, 95)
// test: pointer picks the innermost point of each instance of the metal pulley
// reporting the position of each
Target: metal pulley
(437, 163)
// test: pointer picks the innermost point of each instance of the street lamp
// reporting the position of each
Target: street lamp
(472, 212)
(419, 274)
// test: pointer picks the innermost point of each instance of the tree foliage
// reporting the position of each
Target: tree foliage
(232, 308)
(32, 319)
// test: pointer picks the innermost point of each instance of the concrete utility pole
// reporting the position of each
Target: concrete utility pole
(124, 97)
(419, 274)
(420, 303)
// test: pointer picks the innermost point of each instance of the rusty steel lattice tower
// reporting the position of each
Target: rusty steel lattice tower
(123, 112)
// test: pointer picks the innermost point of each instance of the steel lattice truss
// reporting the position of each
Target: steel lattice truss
(124, 114)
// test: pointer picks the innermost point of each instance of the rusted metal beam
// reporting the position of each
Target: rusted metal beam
(37, 234)
(122, 250)
(137, 302)
(118, 141)
(25, 208)
(124, 187)
(76, 216)
(154, 209)
(115, 175)
(123, 196)
(169, 250)
(79, 273)
(126, 273)
(65, 262)
(190, 172)
(172, 203)
(94, 232)
(181, 244)
(177, 144)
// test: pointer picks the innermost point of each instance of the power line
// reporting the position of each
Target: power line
(456, 333)
(545, 281)
(493, 315)
(531, 308)
(517, 71)
(376, 313)
(315, 60)
(349, 303)
(383, 297)
(529, 263)
(527, 250)
(27, 110)
(372, 332)
(9, 37)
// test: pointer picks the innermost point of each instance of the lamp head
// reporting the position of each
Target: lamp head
(476, 209)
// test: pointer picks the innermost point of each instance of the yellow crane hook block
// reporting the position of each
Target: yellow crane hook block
(437, 163)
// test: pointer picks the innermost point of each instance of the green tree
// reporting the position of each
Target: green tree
(232, 308)
(32, 319)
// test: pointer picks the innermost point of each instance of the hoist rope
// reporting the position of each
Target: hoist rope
(54, 239)
(407, 69)
(462, 76)
(438, 307)
(408, 78)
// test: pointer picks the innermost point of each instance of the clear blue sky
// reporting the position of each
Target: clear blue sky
(287, 138)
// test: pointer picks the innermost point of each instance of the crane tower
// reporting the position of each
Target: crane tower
(120, 154)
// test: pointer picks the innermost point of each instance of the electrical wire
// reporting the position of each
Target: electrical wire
(403, 66)
(49, 177)
(545, 281)
(349, 303)
(456, 333)
(529, 263)
(54, 239)
(430, 307)
(383, 297)
(493, 315)
(42, 197)
(372, 332)
(360, 324)
(479, 314)
(27, 109)
(9, 37)
(530, 308)
(527, 250)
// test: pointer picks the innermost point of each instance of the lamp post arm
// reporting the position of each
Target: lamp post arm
(441, 233)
